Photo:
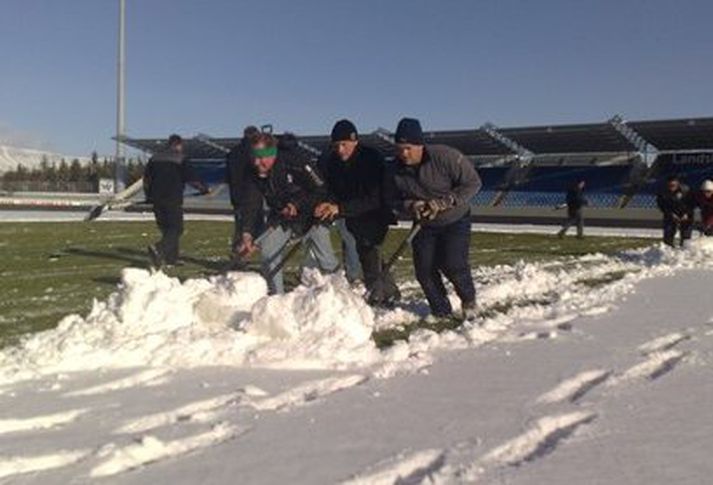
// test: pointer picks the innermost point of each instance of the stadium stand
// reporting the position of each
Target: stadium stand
(621, 180)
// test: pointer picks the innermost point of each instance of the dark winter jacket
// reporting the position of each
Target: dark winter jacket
(678, 203)
(356, 186)
(575, 200)
(292, 180)
(165, 176)
(443, 172)
(706, 206)
(239, 167)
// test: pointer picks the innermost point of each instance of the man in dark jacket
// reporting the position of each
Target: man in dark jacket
(292, 188)
(575, 202)
(355, 179)
(704, 201)
(677, 205)
(239, 167)
(435, 184)
(165, 177)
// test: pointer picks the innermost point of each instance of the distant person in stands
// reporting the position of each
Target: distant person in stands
(292, 188)
(434, 184)
(677, 204)
(239, 168)
(575, 203)
(704, 201)
(165, 177)
(355, 176)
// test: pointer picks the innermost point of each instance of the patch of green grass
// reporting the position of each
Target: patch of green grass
(49, 270)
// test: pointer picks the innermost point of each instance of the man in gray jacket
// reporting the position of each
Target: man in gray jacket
(435, 184)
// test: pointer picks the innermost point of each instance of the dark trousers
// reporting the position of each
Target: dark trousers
(573, 218)
(369, 235)
(169, 219)
(443, 251)
(237, 230)
(670, 228)
(372, 263)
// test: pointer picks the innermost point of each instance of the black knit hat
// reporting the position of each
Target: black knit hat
(174, 140)
(409, 131)
(344, 130)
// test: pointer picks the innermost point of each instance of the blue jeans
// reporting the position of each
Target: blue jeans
(319, 253)
(444, 251)
(352, 267)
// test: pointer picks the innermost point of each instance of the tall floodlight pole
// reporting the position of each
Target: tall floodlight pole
(120, 170)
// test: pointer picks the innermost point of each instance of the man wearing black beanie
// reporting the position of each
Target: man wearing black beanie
(434, 185)
(355, 174)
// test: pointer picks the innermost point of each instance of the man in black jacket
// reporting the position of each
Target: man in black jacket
(677, 204)
(435, 185)
(165, 177)
(239, 167)
(292, 188)
(575, 202)
(355, 178)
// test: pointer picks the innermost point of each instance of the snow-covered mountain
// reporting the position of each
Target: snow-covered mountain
(10, 157)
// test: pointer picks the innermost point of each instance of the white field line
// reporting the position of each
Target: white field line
(574, 387)
(197, 411)
(40, 422)
(151, 377)
(17, 465)
(150, 449)
(658, 363)
(662, 343)
(307, 392)
(407, 467)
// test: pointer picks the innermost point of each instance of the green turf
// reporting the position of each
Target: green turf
(48, 270)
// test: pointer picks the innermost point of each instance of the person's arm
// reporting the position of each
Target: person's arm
(250, 205)
(190, 176)
(466, 181)
(392, 197)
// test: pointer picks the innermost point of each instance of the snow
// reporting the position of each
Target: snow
(208, 380)
(11, 157)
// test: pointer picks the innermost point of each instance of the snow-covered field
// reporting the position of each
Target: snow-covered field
(572, 380)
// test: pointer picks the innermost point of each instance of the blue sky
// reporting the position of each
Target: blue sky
(216, 65)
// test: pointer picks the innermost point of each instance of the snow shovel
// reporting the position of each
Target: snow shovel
(379, 292)
(270, 273)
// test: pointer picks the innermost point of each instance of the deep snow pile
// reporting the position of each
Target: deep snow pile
(155, 320)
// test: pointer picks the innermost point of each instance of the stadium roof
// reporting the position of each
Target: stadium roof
(686, 134)
(679, 134)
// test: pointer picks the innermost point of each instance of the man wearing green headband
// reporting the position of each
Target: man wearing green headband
(291, 187)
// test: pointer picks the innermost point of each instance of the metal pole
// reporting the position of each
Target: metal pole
(120, 169)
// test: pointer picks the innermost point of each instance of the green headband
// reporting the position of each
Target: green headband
(266, 152)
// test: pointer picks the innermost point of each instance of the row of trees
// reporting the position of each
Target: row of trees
(74, 171)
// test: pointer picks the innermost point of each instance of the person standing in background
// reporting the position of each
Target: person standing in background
(677, 205)
(165, 177)
(575, 203)
(704, 201)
